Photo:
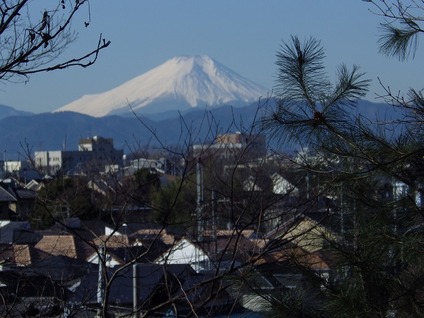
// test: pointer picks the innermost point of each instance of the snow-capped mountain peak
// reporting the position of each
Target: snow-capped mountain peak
(179, 83)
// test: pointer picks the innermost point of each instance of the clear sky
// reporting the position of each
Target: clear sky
(244, 35)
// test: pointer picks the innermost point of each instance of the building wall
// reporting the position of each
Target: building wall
(48, 162)
(230, 145)
(14, 165)
(96, 144)
(93, 154)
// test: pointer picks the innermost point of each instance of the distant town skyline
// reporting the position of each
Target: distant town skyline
(243, 35)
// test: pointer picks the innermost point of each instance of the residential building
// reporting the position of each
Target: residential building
(227, 146)
(93, 154)
(16, 202)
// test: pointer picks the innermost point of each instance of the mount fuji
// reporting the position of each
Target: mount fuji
(179, 84)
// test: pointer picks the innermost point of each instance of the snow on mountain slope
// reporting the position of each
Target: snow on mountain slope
(179, 83)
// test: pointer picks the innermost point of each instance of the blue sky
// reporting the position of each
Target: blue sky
(241, 34)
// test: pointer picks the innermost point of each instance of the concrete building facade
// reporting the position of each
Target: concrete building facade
(93, 154)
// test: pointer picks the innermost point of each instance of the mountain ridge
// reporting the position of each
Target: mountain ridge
(62, 130)
(7, 111)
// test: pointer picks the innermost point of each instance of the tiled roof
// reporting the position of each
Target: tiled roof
(245, 233)
(148, 235)
(296, 255)
(20, 254)
(6, 254)
(112, 241)
(59, 245)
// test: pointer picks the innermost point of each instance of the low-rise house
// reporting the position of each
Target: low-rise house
(282, 274)
(7, 205)
(153, 290)
(282, 186)
(28, 294)
(16, 202)
(143, 246)
(304, 232)
(33, 282)
(186, 252)
(223, 251)
(114, 250)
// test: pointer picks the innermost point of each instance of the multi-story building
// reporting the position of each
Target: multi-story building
(93, 154)
(227, 146)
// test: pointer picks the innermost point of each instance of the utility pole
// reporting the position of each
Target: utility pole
(199, 212)
(135, 290)
(100, 283)
(199, 201)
